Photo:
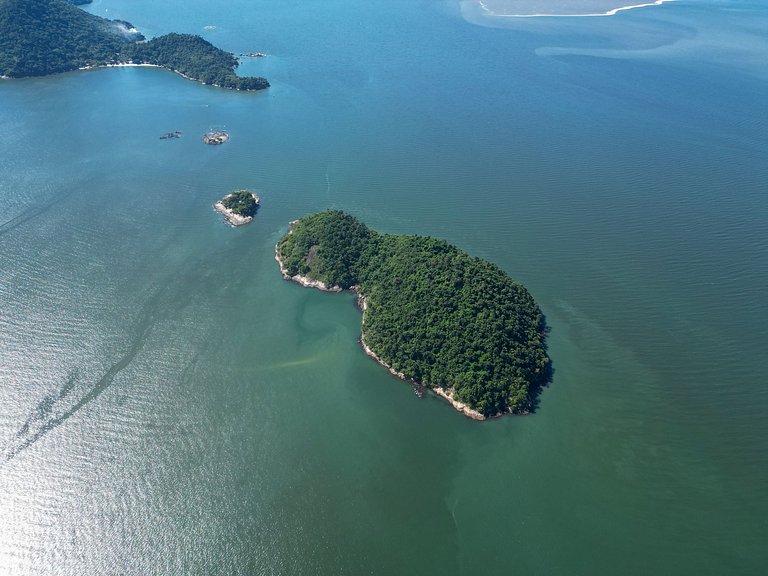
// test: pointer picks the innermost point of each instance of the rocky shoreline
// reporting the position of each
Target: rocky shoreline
(446, 394)
(232, 218)
(442, 392)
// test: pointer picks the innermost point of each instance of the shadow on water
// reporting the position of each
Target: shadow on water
(39, 208)
(75, 393)
(51, 411)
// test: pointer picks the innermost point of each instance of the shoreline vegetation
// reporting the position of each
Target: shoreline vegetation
(457, 325)
(305, 281)
(48, 37)
(239, 207)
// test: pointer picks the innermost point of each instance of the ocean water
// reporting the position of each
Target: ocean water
(170, 405)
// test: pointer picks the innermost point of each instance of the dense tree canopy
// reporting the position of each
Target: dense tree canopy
(435, 313)
(194, 57)
(40, 37)
(241, 202)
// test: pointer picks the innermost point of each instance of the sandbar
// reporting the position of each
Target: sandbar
(556, 9)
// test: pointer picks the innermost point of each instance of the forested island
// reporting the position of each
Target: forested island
(44, 37)
(432, 314)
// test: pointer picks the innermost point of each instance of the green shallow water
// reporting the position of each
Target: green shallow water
(172, 406)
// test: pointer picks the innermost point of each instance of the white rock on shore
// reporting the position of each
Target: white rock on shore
(304, 280)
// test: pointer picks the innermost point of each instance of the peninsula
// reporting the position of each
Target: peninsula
(238, 207)
(432, 314)
(43, 37)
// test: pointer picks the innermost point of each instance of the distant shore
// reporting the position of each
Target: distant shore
(363, 304)
(612, 12)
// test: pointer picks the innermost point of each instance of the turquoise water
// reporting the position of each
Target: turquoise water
(172, 406)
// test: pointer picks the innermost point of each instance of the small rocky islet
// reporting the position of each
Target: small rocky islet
(215, 137)
(238, 207)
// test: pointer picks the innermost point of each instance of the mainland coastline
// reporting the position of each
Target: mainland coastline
(49, 37)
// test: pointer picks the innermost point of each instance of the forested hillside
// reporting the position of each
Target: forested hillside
(41, 37)
(438, 315)
(194, 57)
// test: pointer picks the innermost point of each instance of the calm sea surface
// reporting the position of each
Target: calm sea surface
(170, 405)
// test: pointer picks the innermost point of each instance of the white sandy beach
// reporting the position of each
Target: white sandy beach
(123, 65)
(133, 65)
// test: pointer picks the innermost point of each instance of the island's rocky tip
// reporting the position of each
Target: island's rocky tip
(238, 207)
(305, 281)
(215, 137)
